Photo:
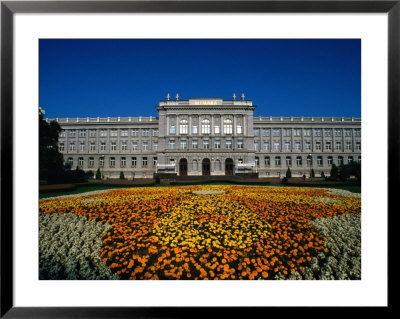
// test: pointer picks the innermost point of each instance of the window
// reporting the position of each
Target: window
(155, 132)
(133, 162)
(92, 133)
(307, 132)
(256, 132)
(183, 144)
(350, 159)
(72, 146)
(216, 129)
(257, 161)
(318, 146)
(146, 132)
(124, 145)
(72, 133)
(308, 145)
(286, 132)
(205, 126)
(287, 145)
(256, 145)
(340, 160)
(135, 146)
(228, 144)
(227, 126)
(239, 129)
(347, 132)
(206, 144)
(155, 146)
(124, 132)
(266, 146)
(358, 146)
(101, 161)
(348, 145)
(277, 161)
(154, 161)
(70, 162)
(113, 146)
(296, 132)
(103, 132)
(183, 126)
(82, 133)
(82, 147)
(275, 132)
(113, 132)
(297, 145)
(330, 160)
(317, 132)
(62, 133)
(103, 146)
(359, 159)
(61, 147)
(194, 129)
(172, 161)
(217, 144)
(171, 144)
(91, 162)
(172, 130)
(194, 144)
(309, 161)
(338, 132)
(240, 161)
(276, 146)
(123, 162)
(338, 146)
(328, 146)
(135, 132)
(144, 162)
(265, 131)
(299, 161)
(267, 161)
(328, 132)
(145, 145)
(357, 132)
(240, 144)
(288, 161)
(319, 160)
(92, 146)
(112, 161)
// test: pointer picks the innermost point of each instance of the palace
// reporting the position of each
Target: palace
(209, 136)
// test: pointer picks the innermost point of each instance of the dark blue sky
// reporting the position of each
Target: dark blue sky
(90, 78)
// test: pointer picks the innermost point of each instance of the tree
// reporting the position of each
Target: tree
(334, 172)
(288, 173)
(312, 173)
(51, 160)
(98, 174)
(121, 175)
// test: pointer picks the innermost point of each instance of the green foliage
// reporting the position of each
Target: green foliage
(334, 172)
(285, 180)
(312, 173)
(121, 175)
(98, 174)
(288, 173)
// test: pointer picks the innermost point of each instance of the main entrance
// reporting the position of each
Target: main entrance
(205, 167)
(228, 166)
(183, 167)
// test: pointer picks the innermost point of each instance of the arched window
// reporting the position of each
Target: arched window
(205, 126)
(183, 127)
(227, 126)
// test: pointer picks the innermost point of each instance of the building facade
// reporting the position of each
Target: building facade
(209, 136)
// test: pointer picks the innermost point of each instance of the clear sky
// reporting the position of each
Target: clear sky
(90, 78)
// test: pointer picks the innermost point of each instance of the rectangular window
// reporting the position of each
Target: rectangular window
(317, 132)
(145, 145)
(135, 132)
(194, 129)
(275, 132)
(328, 132)
(135, 146)
(228, 144)
(297, 132)
(338, 132)
(70, 162)
(348, 145)
(92, 133)
(288, 161)
(239, 129)
(328, 146)
(330, 160)
(240, 144)
(350, 159)
(124, 146)
(113, 146)
(91, 162)
(133, 161)
(62, 133)
(82, 147)
(123, 162)
(171, 144)
(266, 146)
(265, 132)
(72, 146)
(112, 161)
(113, 132)
(276, 146)
(61, 147)
(154, 161)
(206, 144)
(256, 131)
(72, 133)
(307, 132)
(277, 161)
(340, 160)
(319, 161)
(338, 146)
(297, 145)
(216, 129)
(358, 146)
(267, 161)
(318, 146)
(101, 162)
(146, 132)
(172, 130)
(308, 145)
(183, 144)
(103, 132)
(194, 144)
(103, 146)
(287, 146)
(155, 132)
(256, 145)
(347, 132)
(217, 144)
(286, 132)
(144, 162)
(124, 132)
(80, 161)
(357, 132)
(82, 133)
(155, 146)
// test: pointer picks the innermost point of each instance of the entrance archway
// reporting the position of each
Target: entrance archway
(205, 167)
(183, 167)
(229, 166)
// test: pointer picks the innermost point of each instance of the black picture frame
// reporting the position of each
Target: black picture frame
(9, 8)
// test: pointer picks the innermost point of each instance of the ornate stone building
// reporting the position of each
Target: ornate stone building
(209, 136)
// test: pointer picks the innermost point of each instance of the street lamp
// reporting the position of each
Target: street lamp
(310, 166)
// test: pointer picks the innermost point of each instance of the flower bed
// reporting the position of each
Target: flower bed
(240, 233)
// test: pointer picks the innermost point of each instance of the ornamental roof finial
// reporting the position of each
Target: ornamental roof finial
(177, 96)
(168, 96)
(234, 96)
(242, 96)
